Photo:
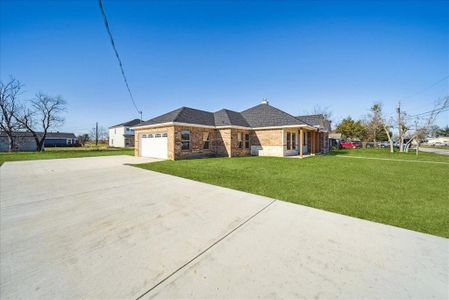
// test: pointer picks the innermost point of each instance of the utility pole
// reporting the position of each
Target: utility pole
(141, 118)
(96, 134)
(401, 138)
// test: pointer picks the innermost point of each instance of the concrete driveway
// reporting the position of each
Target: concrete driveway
(96, 228)
(435, 150)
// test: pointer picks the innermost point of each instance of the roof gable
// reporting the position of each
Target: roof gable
(318, 120)
(226, 117)
(133, 122)
(265, 115)
(184, 115)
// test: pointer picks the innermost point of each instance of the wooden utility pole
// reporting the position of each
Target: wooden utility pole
(96, 134)
(401, 137)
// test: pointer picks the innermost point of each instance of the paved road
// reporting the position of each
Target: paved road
(96, 228)
(435, 150)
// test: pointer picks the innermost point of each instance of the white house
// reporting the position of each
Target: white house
(121, 135)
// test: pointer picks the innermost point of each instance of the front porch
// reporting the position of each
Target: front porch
(302, 142)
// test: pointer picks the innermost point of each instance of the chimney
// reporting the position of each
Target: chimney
(264, 101)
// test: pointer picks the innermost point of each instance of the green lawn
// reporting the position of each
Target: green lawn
(53, 154)
(401, 193)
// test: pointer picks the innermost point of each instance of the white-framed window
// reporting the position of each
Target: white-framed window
(164, 134)
(157, 135)
(185, 140)
(240, 139)
(69, 141)
(150, 136)
(206, 140)
(247, 140)
(293, 141)
(144, 136)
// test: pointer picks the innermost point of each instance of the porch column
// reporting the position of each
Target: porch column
(301, 142)
(312, 144)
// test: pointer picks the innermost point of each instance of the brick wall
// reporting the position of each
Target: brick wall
(170, 133)
(196, 142)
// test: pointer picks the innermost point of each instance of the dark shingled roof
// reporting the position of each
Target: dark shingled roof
(50, 135)
(262, 115)
(127, 124)
(184, 115)
(226, 117)
(265, 115)
(316, 120)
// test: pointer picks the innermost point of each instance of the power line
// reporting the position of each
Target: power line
(427, 88)
(426, 113)
(106, 23)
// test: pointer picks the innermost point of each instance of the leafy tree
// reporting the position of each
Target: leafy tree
(351, 129)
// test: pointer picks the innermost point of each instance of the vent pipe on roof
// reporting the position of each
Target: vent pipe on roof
(264, 101)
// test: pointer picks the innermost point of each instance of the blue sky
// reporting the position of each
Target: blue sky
(215, 54)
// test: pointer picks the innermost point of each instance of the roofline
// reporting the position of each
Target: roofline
(286, 126)
(220, 127)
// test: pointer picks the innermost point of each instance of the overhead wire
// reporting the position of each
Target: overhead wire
(111, 38)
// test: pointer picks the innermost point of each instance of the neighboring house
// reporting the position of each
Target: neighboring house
(334, 140)
(24, 141)
(121, 135)
(261, 130)
(442, 140)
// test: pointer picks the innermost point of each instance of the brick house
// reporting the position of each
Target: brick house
(260, 130)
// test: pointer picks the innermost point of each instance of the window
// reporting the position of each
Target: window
(206, 140)
(294, 141)
(150, 136)
(157, 135)
(247, 140)
(289, 141)
(164, 135)
(240, 139)
(144, 136)
(185, 140)
(69, 141)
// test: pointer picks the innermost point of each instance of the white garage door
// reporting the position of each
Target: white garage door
(154, 145)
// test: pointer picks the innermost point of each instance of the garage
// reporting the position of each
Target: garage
(154, 145)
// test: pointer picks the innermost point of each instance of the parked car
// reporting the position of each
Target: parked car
(350, 145)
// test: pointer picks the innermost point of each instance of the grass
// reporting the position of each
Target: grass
(62, 153)
(404, 194)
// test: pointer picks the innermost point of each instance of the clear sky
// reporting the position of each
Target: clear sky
(228, 54)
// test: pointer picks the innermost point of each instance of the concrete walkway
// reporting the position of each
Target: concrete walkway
(435, 150)
(95, 228)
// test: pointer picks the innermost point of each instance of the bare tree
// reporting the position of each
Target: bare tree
(423, 125)
(83, 139)
(388, 126)
(98, 134)
(9, 106)
(375, 122)
(44, 114)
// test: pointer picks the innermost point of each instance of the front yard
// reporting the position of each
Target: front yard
(404, 193)
(55, 153)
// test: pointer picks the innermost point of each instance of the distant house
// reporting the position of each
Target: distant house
(262, 130)
(24, 141)
(121, 135)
